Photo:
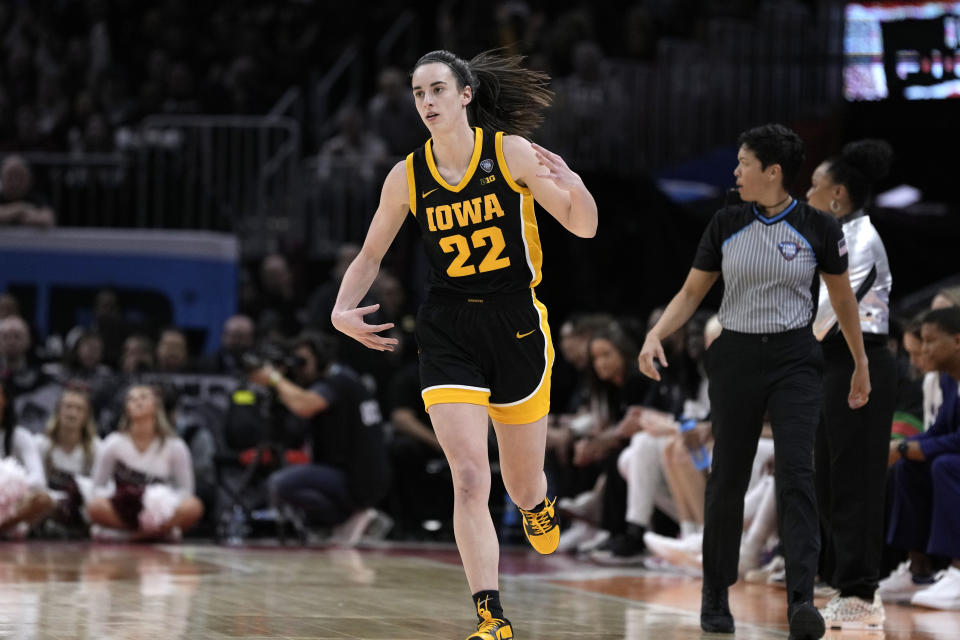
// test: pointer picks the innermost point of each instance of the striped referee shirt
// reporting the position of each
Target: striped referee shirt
(771, 266)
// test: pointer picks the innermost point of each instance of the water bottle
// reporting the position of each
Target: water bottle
(700, 455)
(236, 527)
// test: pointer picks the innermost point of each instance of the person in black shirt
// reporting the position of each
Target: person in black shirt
(20, 204)
(772, 251)
(421, 485)
(348, 472)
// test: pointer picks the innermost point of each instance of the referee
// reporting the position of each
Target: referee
(772, 252)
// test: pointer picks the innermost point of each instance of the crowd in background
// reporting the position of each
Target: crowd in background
(124, 429)
(78, 76)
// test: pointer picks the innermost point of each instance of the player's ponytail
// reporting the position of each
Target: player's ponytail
(506, 96)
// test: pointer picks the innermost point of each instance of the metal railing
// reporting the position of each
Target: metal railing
(247, 173)
(90, 189)
(399, 42)
(341, 84)
(220, 172)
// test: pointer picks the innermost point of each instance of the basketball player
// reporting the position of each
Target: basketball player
(485, 347)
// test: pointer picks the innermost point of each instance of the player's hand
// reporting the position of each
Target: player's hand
(652, 350)
(859, 387)
(554, 168)
(351, 323)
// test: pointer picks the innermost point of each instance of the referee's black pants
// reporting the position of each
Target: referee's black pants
(752, 376)
(852, 450)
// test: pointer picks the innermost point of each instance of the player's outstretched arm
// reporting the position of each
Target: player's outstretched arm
(553, 184)
(346, 316)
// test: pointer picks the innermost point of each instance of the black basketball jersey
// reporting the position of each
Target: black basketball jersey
(480, 235)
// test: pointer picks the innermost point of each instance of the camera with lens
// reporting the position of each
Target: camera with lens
(272, 354)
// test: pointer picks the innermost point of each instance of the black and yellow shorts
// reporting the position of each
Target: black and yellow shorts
(493, 351)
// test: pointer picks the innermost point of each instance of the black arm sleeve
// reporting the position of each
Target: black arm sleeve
(832, 257)
(709, 255)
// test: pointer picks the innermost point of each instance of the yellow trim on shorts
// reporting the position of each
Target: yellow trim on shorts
(411, 185)
(536, 405)
(443, 395)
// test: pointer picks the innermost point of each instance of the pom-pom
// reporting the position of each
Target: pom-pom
(159, 504)
(13, 487)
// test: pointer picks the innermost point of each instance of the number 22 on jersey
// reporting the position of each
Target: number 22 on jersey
(479, 239)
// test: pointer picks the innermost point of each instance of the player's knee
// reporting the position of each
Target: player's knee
(471, 480)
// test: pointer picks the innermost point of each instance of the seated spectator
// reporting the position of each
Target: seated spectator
(82, 362)
(320, 304)
(616, 386)
(278, 303)
(137, 355)
(109, 322)
(172, 355)
(570, 417)
(422, 488)
(153, 493)
(932, 397)
(237, 339)
(9, 306)
(30, 386)
(15, 354)
(136, 359)
(23, 486)
(353, 151)
(926, 506)
(348, 473)
(570, 373)
(393, 116)
(68, 449)
(20, 204)
(654, 439)
(908, 413)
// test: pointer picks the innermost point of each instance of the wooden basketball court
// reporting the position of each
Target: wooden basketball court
(72, 591)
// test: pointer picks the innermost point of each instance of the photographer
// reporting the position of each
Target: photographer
(348, 472)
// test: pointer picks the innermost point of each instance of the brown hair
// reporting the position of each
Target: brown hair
(506, 96)
(88, 432)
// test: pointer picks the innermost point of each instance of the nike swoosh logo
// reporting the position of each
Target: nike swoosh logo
(524, 335)
(424, 194)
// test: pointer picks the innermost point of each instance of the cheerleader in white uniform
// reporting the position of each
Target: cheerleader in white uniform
(151, 468)
(23, 485)
(68, 449)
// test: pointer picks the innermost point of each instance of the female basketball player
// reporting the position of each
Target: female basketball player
(485, 347)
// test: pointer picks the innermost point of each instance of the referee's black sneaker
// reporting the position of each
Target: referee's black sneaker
(806, 623)
(715, 616)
